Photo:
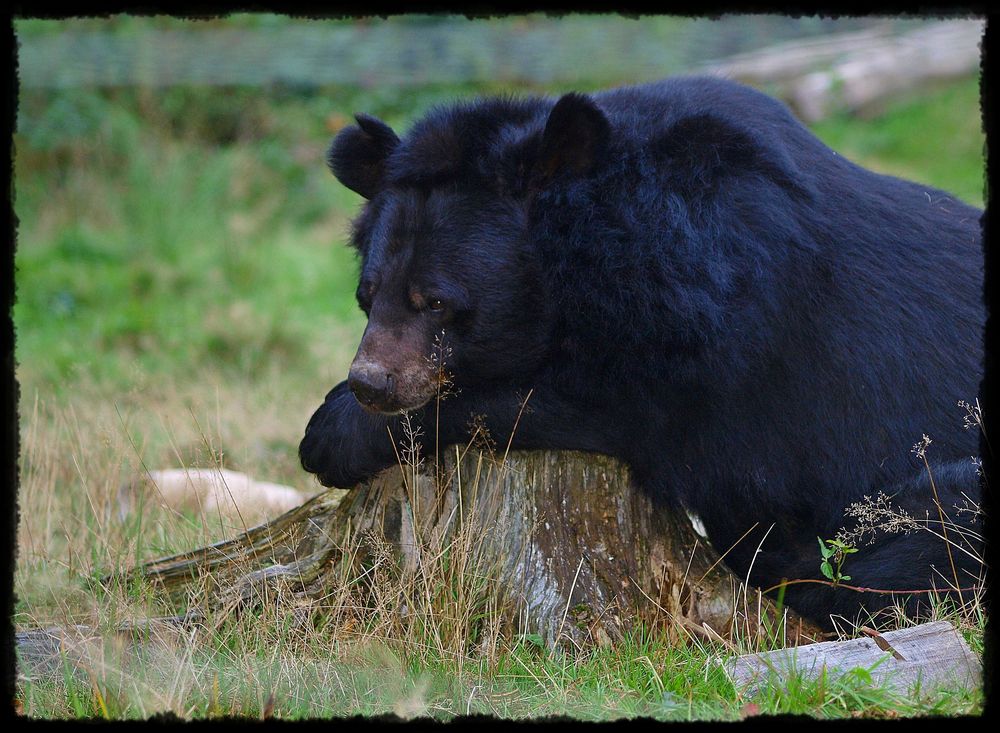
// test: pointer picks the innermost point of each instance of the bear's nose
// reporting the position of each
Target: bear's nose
(373, 387)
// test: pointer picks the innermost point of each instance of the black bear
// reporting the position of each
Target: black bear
(686, 279)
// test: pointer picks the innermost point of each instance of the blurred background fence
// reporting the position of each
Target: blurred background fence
(401, 51)
(409, 51)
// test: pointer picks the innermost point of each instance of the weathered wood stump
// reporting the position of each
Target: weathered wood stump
(582, 555)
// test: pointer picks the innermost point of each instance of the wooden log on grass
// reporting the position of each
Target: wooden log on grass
(581, 556)
(927, 655)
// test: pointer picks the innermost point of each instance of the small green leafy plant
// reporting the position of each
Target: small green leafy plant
(834, 553)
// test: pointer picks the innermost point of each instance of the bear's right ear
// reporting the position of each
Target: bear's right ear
(575, 138)
(357, 155)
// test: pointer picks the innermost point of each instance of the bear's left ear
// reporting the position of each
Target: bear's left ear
(357, 155)
(575, 138)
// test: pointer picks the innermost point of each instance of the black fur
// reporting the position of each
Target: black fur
(691, 281)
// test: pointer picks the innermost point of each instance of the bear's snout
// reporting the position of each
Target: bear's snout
(379, 389)
(373, 386)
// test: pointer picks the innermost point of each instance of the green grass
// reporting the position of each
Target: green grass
(184, 292)
(642, 676)
(169, 254)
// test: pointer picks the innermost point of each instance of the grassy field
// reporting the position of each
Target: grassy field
(184, 298)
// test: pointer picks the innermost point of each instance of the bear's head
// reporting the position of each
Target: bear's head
(450, 277)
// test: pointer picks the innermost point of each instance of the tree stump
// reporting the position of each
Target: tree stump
(582, 554)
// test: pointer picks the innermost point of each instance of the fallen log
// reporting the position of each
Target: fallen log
(50, 652)
(927, 655)
(857, 72)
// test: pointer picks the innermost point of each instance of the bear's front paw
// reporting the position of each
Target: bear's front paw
(339, 445)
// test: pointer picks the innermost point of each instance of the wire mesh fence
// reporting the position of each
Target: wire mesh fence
(401, 51)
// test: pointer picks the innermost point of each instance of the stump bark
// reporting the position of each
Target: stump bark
(582, 555)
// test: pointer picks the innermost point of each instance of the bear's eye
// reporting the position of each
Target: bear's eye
(435, 304)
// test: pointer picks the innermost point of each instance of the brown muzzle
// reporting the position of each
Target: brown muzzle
(390, 374)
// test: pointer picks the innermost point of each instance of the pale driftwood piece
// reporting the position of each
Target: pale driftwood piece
(857, 71)
(786, 62)
(582, 552)
(933, 654)
(232, 494)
